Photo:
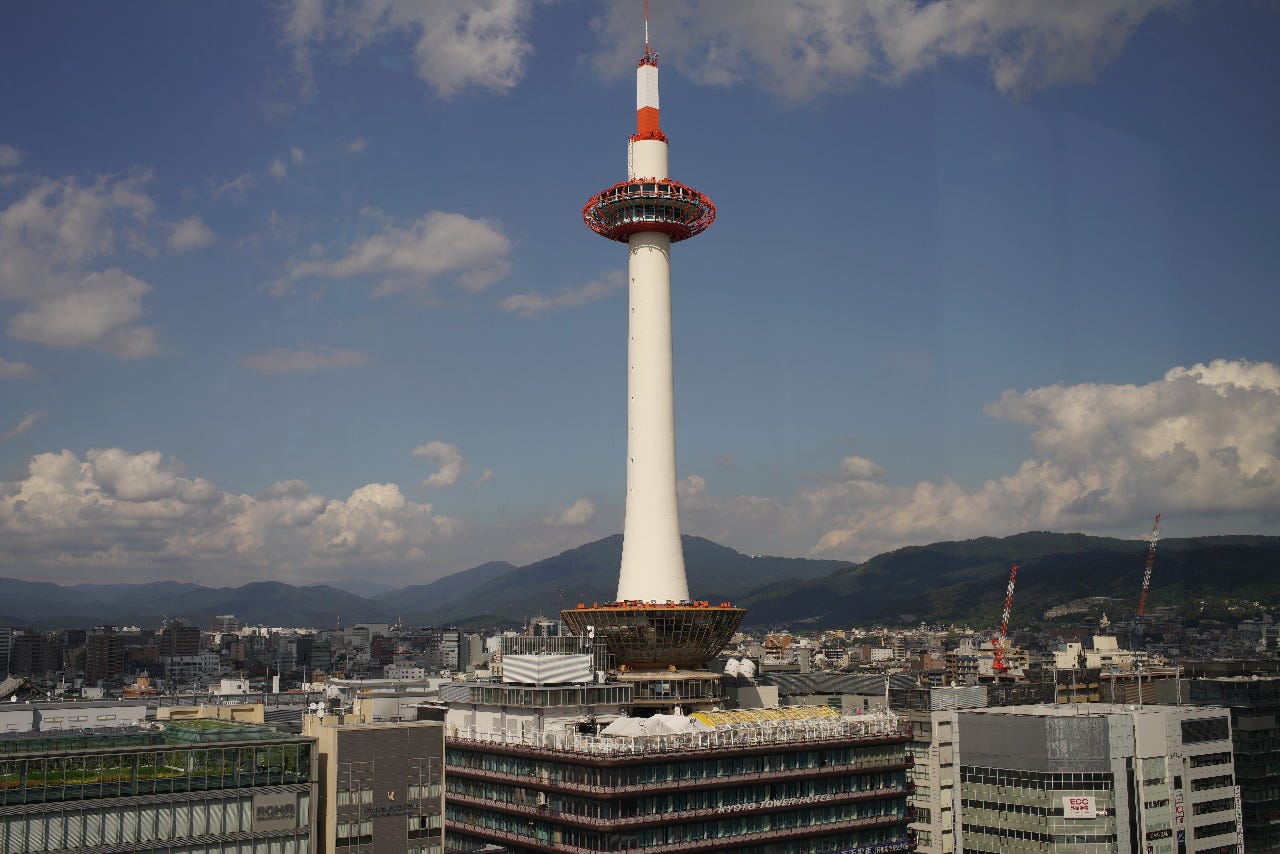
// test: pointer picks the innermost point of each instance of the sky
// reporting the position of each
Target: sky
(301, 291)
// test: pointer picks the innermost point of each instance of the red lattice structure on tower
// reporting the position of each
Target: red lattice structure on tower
(998, 664)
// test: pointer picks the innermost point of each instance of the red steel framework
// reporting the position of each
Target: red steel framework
(1151, 561)
(999, 665)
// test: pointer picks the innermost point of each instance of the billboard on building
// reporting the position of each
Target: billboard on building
(275, 811)
(546, 669)
(1079, 806)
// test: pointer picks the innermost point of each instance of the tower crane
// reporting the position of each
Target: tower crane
(998, 644)
(1151, 561)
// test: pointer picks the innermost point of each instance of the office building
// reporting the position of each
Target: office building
(1254, 703)
(381, 784)
(1096, 778)
(208, 788)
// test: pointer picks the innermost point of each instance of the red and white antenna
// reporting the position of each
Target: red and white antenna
(998, 644)
(646, 27)
(1151, 561)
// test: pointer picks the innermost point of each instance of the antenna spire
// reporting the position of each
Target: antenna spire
(646, 27)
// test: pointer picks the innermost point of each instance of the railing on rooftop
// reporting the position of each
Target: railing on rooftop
(875, 726)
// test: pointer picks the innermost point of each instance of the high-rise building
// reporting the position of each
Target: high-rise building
(177, 638)
(1255, 743)
(1096, 777)
(104, 656)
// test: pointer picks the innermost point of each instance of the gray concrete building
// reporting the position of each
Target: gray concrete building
(1096, 778)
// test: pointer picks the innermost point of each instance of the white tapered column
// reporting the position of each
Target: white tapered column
(652, 557)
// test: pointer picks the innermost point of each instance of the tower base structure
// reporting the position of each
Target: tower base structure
(662, 649)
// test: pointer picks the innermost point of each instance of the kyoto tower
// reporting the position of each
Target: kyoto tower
(653, 625)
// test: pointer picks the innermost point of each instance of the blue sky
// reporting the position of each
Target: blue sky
(301, 291)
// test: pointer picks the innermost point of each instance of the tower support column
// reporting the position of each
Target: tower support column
(652, 557)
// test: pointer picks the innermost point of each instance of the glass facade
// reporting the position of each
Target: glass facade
(792, 798)
(157, 796)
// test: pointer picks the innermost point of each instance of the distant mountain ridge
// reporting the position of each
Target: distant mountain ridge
(960, 581)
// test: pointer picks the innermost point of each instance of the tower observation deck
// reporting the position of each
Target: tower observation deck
(654, 624)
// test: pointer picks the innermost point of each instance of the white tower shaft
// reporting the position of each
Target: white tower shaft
(652, 556)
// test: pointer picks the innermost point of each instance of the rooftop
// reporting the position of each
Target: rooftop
(714, 731)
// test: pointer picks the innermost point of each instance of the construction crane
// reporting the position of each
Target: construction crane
(1151, 561)
(998, 664)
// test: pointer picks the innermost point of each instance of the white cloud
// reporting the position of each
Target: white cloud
(235, 187)
(861, 468)
(50, 239)
(456, 46)
(281, 360)
(575, 515)
(1201, 442)
(10, 156)
(297, 156)
(405, 259)
(138, 511)
(14, 370)
(485, 477)
(801, 49)
(277, 169)
(534, 304)
(28, 421)
(191, 233)
(449, 462)
(356, 145)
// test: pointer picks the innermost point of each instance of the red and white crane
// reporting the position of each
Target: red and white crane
(1151, 561)
(998, 644)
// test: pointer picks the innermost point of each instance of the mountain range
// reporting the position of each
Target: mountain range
(961, 581)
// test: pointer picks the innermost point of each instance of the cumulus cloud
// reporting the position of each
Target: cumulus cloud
(356, 145)
(449, 462)
(534, 304)
(49, 241)
(456, 46)
(1203, 441)
(474, 252)
(280, 360)
(278, 169)
(28, 421)
(114, 508)
(10, 156)
(14, 370)
(801, 49)
(190, 233)
(297, 156)
(575, 515)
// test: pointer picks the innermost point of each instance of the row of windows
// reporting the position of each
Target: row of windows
(1205, 729)
(1213, 806)
(1021, 809)
(1215, 829)
(1211, 783)
(1044, 838)
(661, 803)
(56, 830)
(1210, 759)
(1065, 781)
(723, 828)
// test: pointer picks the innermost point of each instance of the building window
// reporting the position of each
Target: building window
(1215, 829)
(1205, 729)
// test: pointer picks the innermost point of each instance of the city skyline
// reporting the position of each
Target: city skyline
(303, 293)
